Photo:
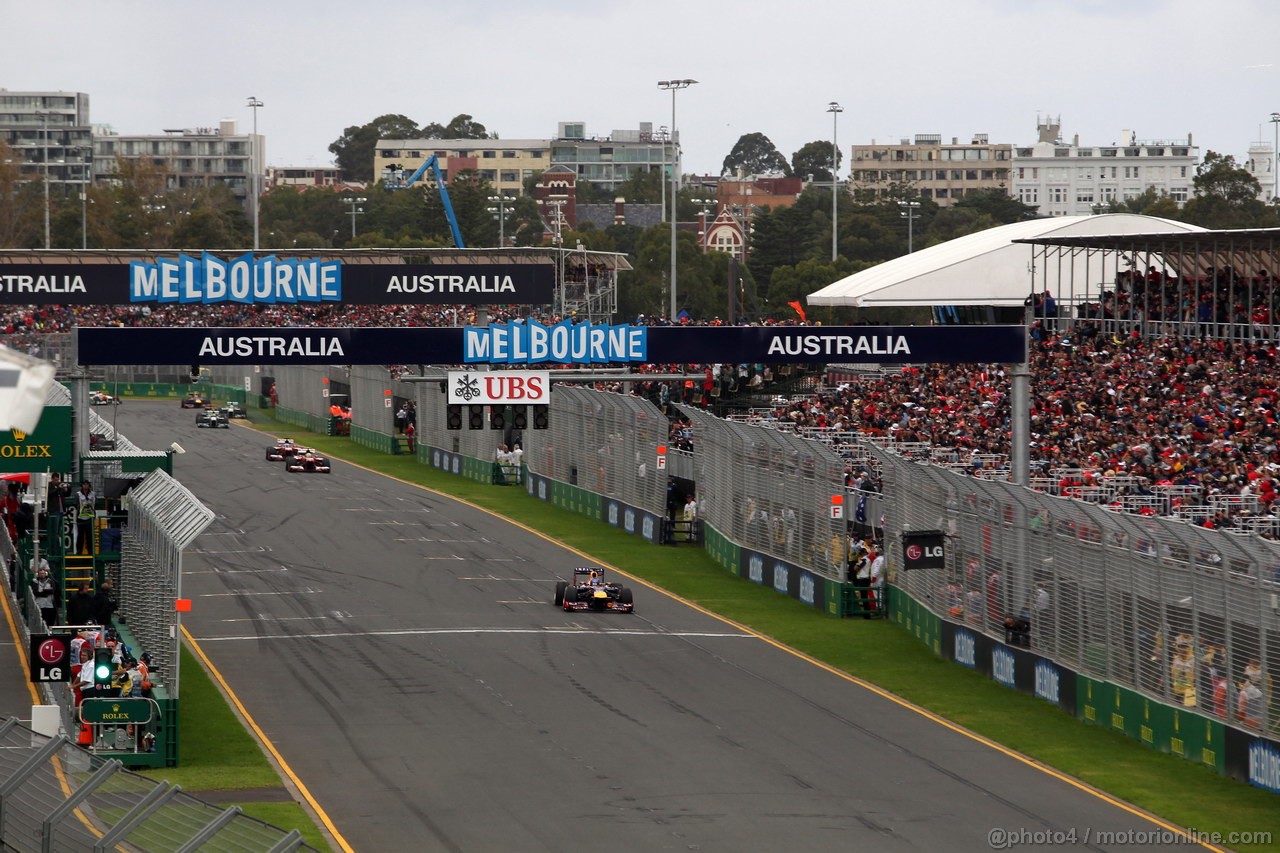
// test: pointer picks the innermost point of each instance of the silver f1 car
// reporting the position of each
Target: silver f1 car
(590, 591)
(211, 419)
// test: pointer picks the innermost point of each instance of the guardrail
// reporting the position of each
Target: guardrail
(55, 796)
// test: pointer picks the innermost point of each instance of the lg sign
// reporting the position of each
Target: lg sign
(924, 549)
(50, 658)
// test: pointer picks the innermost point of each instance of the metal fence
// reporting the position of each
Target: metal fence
(164, 518)
(605, 443)
(57, 798)
(1182, 613)
(432, 405)
(770, 491)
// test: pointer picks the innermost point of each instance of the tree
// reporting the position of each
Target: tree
(778, 239)
(21, 209)
(1002, 208)
(1226, 196)
(353, 151)
(643, 187)
(814, 160)
(754, 154)
(460, 127)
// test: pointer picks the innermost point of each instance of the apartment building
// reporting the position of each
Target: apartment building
(610, 161)
(187, 157)
(606, 161)
(1069, 179)
(504, 163)
(304, 176)
(926, 167)
(49, 136)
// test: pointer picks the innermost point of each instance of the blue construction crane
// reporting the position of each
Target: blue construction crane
(393, 179)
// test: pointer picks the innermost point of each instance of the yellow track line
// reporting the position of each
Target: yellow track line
(266, 743)
(63, 782)
(22, 653)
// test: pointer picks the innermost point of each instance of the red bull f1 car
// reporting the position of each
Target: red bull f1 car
(308, 462)
(590, 591)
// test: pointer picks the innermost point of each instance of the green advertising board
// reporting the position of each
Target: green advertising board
(115, 711)
(47, 448)
(1167, 728)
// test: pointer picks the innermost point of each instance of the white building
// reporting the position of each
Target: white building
(1062, 179)
(1262, 165)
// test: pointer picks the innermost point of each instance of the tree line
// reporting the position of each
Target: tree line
(789, 247)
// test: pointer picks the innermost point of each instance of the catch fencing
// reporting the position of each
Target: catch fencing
(57, 798)
(1181, 613)
(164, 519)
(605, 443)
(771, 491)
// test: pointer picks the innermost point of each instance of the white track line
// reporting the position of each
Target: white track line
(414, 632)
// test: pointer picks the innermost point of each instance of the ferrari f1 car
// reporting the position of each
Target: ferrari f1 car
(282, 450)
(590, 591)
(309, 462)
(211, 419)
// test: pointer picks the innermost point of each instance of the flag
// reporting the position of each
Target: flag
(799, 310)
(860, 514)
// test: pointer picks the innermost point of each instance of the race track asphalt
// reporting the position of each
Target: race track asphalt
(400, 650)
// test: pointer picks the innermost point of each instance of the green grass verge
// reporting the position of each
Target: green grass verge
(880, 652)
(218, 753)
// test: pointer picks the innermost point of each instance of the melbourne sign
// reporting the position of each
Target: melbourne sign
(509, 387)
(532, 343)
(269, 280)
(46, 448)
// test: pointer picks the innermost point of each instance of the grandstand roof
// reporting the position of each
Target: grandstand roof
(994, 267)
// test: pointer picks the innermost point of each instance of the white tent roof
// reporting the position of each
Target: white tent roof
(987, 268)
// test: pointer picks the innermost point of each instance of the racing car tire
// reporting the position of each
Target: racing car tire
(561, 586)
(624, 596)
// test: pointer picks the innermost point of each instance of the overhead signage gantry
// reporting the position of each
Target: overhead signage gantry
(529, 343)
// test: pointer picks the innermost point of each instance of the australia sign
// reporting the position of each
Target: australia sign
(250, 279)
(531, 343)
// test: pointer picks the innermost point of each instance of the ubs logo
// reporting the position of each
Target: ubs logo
(613, 514)
(646, 527)
(629, 521)
(755, 568)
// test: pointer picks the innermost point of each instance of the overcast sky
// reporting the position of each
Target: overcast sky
(1162, 68)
